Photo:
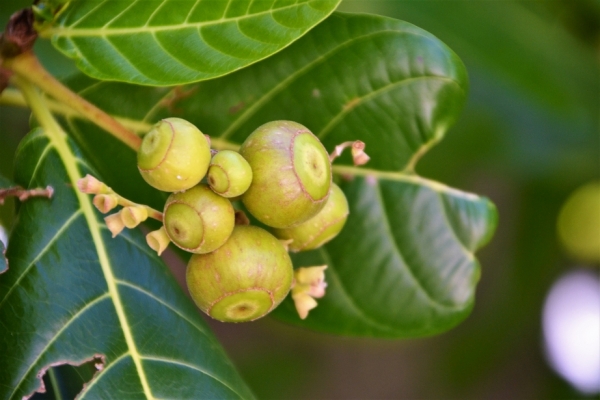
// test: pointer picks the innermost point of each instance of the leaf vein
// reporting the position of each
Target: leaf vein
(190, 366)
(43, 251)
(75, 316)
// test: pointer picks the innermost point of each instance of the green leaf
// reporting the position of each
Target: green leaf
(5, 183)
(74, 294)
(403, 265)
(379, 80)
(172, 42)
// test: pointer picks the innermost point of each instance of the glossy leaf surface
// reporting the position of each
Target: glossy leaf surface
(171, 42)
(404, 264)
(73, 294)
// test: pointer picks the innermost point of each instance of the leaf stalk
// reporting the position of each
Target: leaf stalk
(27, 66)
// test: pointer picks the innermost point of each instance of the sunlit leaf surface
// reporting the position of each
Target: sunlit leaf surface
(168, 42)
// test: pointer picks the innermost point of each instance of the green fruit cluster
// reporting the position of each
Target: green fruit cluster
(282, 175)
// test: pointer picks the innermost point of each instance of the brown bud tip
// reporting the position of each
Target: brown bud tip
(114, 223)
(158, 240)
(19, 34)
(91, 185)
(134, 215)
(105, 202)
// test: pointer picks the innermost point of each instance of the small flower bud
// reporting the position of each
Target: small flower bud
(359, 156)
(158, 240)
(115, 224)
(134, 215)
(91, 185)
(105, 202)
(309, 284)
(304, 303)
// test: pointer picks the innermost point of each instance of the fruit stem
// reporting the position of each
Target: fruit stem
(27, 66)
(152, 213)
(90, 185)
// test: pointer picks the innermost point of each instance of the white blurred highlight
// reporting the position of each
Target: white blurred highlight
(571, 323)
(3, 235)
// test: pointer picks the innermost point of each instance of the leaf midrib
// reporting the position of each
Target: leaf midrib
(59, 140)
(104, 31)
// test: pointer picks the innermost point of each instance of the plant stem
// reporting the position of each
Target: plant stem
(27, 66)
(13, 97)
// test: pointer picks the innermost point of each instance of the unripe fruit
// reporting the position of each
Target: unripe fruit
(174, 155)
(198, 220)
(229, 174)
(291, 174)
(321, 228)
(244, 279)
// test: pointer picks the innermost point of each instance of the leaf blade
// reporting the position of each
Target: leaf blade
(76, 287)
(180, 41)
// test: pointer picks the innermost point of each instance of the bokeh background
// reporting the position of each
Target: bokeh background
(529, 139)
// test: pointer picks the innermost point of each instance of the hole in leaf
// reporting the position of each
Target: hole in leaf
(65, 380)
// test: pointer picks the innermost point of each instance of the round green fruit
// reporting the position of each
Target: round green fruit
(244, 279)
(291, 174)
(321, 228)
(174, 155)
(229, 174)
(198, 220)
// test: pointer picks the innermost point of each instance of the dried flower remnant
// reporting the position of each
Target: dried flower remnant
(309, 285)
(158, 240)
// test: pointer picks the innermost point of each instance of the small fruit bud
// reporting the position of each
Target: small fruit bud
(291, 174)
(309, 284)
(321, 228)
(91, 185)
(174, 155)
(114, 223)
(105, 202)
(132, 216)
(229, 174)
(158, 240)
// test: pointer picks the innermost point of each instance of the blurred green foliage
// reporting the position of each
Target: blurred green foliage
(529, 136)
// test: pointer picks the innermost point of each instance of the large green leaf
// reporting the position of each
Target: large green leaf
(404, 264)
(73, 294)
(170, 42)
